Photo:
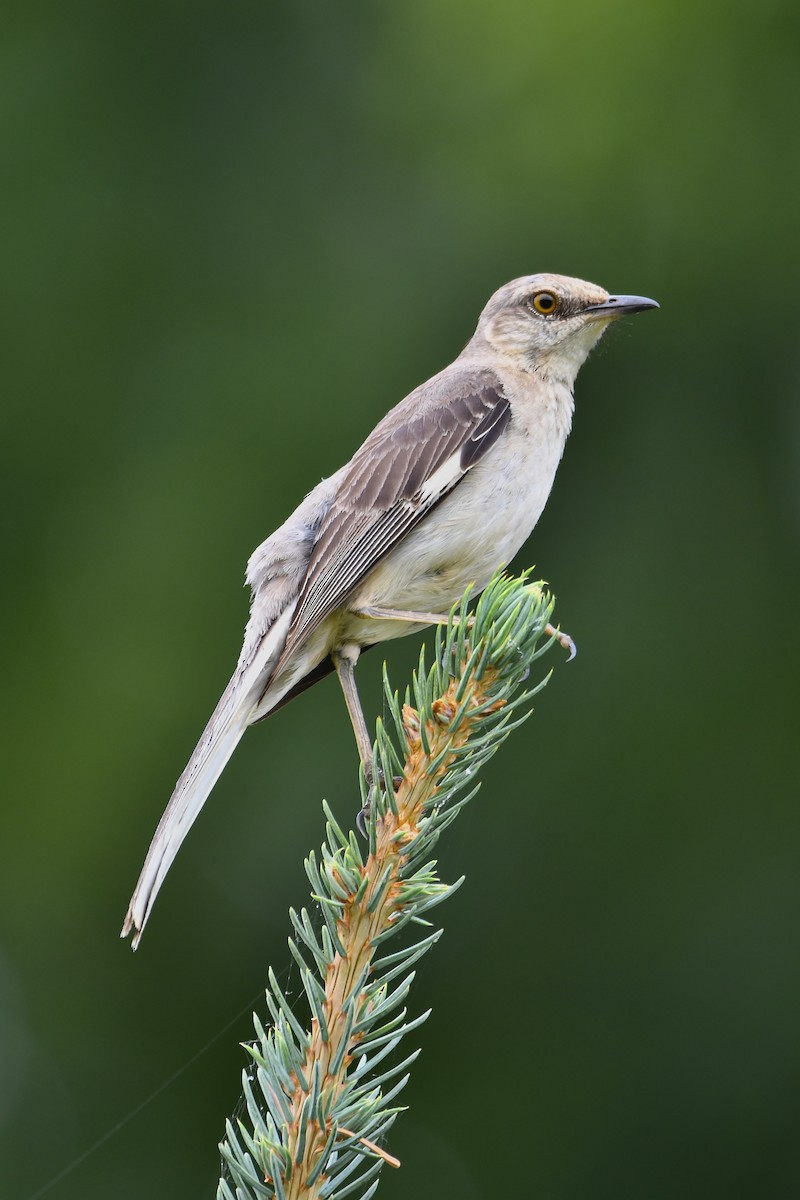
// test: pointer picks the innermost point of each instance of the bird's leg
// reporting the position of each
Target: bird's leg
(428, 618)
(345, 659)
(402, 614)
(408, 615)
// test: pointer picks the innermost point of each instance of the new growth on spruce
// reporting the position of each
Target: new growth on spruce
(321, 1090)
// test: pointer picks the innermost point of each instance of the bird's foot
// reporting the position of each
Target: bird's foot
(563, 639)
(362, 816)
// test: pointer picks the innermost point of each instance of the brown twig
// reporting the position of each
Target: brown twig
(367, 912)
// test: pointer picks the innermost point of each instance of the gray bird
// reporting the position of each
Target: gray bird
(445, 490)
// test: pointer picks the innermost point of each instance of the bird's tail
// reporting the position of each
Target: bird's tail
(220, 738)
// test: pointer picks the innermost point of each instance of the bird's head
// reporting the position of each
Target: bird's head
(549, 323)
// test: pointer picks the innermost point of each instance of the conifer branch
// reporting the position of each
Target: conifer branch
(318, 1100)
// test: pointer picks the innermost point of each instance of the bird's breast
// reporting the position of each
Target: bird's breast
(474, 530)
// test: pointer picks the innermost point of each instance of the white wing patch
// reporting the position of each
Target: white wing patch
(442, 479)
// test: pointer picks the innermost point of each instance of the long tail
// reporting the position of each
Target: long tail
(220, 738)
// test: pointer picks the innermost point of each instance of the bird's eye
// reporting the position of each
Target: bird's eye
(544, 303)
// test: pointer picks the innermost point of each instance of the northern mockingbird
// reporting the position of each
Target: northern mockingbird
(445, 490)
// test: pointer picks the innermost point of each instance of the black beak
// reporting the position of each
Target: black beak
(619, 305)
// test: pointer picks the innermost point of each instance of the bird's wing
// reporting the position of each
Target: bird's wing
(412, 459)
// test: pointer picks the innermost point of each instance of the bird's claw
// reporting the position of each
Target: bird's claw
(362, 815)
(563, 639)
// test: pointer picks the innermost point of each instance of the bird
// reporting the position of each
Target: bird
(443, 492)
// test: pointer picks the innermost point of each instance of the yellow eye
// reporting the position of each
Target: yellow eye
(544, 303)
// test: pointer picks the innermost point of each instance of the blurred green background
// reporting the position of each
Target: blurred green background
(233, 235)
